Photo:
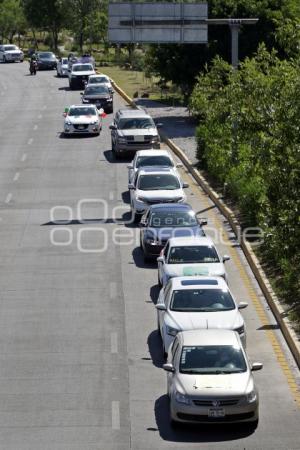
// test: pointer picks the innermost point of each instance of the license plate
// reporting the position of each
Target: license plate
(80, 127)
(139, 138)
(216, 412)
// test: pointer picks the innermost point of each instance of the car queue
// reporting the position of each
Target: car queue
(203, 333)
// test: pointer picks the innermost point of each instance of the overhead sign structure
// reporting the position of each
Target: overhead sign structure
(158, 23)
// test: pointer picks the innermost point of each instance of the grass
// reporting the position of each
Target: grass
(132, 82)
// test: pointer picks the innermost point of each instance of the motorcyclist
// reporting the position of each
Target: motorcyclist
(33, 63)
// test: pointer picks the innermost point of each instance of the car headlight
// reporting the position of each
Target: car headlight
(141, 199)
(171, 331)
(240, 330)
(122, 139)
(68, 123)
(251, 397)
(151, 240)
(181, 398)
(84, 100)
(95, 122)
(155, 138)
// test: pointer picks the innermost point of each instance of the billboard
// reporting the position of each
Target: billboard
(157, 23)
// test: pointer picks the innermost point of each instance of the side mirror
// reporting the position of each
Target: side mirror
(160, 259)
(169, 367)
(130, 166)
(81, 93)
(112, 127)
(130, 186)
(226, 258)
(161, 307)
(256, 366)
(159, 125)
(185, 185)
(202, 221)
(242, 305)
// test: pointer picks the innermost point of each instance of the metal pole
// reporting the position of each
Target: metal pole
(235, 29)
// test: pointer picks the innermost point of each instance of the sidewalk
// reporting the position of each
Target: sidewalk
(177, 124)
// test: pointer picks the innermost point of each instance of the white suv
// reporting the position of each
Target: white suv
(79, 74)
(11, 53)
(152, 185)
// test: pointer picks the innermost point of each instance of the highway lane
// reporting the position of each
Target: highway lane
(80, 355)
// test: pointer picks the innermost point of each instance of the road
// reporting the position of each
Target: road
(80, 355)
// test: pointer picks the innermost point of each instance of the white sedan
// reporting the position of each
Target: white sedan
(62, 67)
(192, 303)
(183, 256)
(82, 119)
(151, 157)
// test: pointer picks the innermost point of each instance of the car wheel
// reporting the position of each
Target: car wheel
(147, 258)
(174, 424)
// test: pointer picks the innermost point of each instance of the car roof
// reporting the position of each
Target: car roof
(205, 282)
(129, 112)
(82, 105)
(146, 170)
(82, 63)
(99, 75)
(171, 206)
(209, 337)
(153, 152)
(191, 240)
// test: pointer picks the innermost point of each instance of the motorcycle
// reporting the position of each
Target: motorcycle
(33, 67)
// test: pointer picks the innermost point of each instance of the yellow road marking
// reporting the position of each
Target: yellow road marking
(280, 356)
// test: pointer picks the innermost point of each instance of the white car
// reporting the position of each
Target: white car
(152, 185)
(100, 78)
(193, 303)
(151, 157)
(209, 379)
(190, 256)
(11, 53)
(79, 74)
(82, 119)
(62, 67)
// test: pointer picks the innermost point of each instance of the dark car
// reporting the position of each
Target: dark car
(98, 95)
(164, 221)
(46, 60)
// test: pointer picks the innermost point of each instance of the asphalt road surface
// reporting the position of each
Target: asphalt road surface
(80, 357)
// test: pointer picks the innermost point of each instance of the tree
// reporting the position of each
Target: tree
(182, 63)
(47, 14)
(12, 19)
(84, 16)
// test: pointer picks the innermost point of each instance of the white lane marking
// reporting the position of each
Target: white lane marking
(35, 127)
(114, 342)
(115, 415)
(112, 289)
(30, 141)
(8, 198)
(40, 116)
(16, 177)
(111, 195)
(24, 156)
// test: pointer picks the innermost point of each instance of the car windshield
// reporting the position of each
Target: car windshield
(158, 182)
(136, 123)
(95, 80)
(10, 47)
(46, 55)
(201, 300)
(193, 254)
(173, 219)
(159, 160)
(96, 90)
(82, 111)
(82, 68)
(212, 359)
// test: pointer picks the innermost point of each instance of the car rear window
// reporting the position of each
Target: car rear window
(201, 300)
(82, 68)
(193, 254)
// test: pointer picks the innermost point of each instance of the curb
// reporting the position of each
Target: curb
(284, 323)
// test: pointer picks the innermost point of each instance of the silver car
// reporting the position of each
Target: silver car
(210, 380)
